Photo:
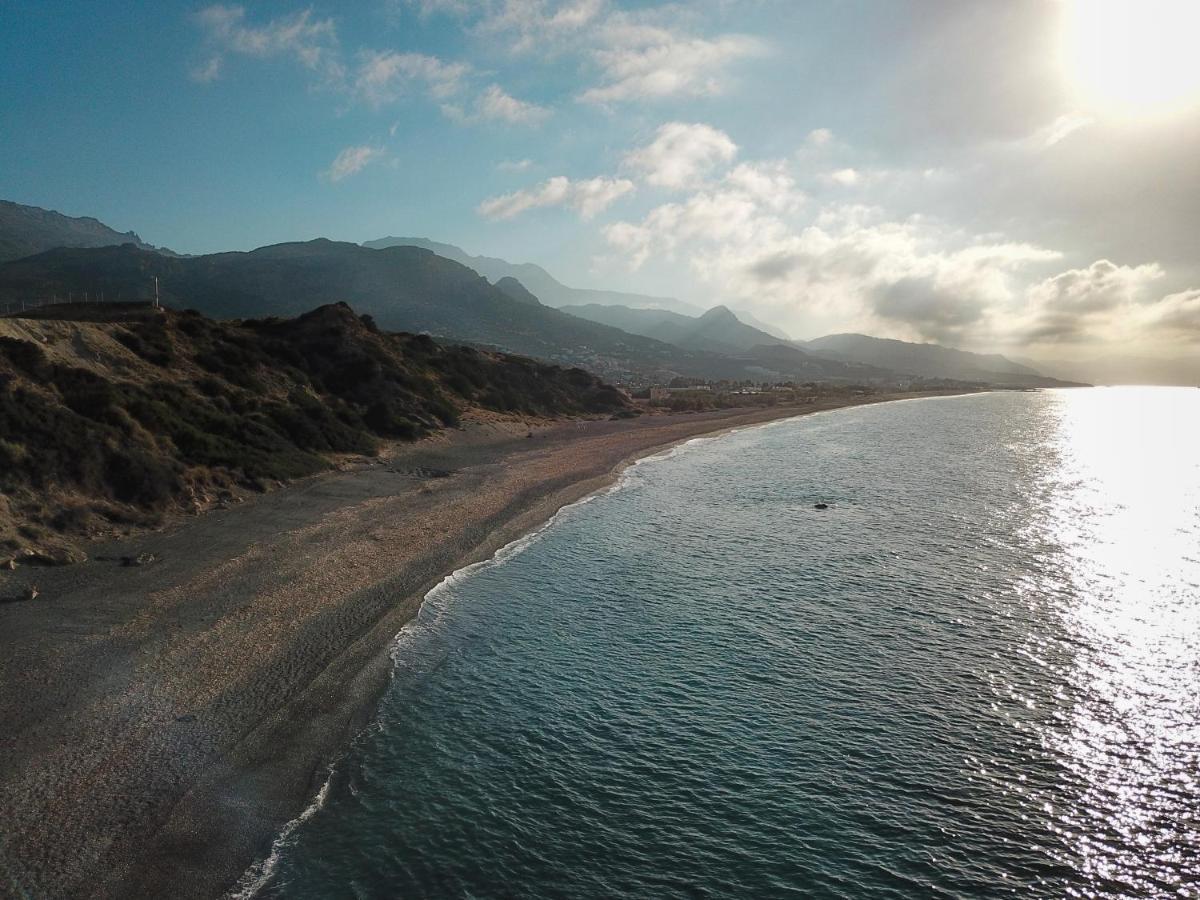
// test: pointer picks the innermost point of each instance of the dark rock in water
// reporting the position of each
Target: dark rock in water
(820, 506)
(8, 564)
(142, 559)
(185, 718)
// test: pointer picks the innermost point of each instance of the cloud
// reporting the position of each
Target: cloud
(494, 104)
(383, 76)
(934, 310)
(819, 137)
(351, 161)
(1177, 315)
(648, 62)
(851, 263)
(681, 155)
(1059, 130)
(432, 7)
(533, 24)
(514, 165)
(588, 197)
(844, 177)
(312, 42)
(209, 70)
(1083, 304)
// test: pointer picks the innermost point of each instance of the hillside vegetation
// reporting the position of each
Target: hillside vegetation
(110, 425)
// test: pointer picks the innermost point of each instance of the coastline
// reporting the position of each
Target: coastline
(174, 718)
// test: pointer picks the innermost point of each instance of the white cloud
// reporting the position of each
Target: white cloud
(495, 104)
(819, 137)
(771, 185)
(647, 62)
(537, 24)
(209, 70)
(514, 165)
(382, 76)
(681, 155)
(844, 177)
(588, 197)
(351, 161)
(1177, 315)
(431, 7)
(1087, 303)
(312, 42)
(1060, 129)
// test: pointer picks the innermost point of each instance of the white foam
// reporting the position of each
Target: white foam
(257, 876)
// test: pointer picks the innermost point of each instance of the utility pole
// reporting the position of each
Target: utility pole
(156, 304)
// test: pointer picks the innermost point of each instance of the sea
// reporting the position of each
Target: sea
(976, 673)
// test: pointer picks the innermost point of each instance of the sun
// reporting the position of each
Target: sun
(1133, 56)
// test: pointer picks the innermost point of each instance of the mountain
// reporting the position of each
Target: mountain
(26, 230)
(115, 422)
(538, 281)
(927, 360)
(516, 291)
(404, 288)
(718, 330)
(1166, 370)
(802, 366)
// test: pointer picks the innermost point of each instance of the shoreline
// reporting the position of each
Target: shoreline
(187, 711)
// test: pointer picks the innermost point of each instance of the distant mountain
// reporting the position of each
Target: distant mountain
(514, 289)
(538, 281)
(718, 330)
(927, 360)
(403, 288)
(26, 230)
(1168, 370)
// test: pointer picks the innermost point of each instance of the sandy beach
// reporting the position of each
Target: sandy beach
(159, 724)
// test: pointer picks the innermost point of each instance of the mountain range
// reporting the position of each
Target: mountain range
(548, 289)
(412, 284)
(718, 329)
(552, 292)
(403, 288)
(25, 230)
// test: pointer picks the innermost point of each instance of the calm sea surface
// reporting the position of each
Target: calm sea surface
(977, 674)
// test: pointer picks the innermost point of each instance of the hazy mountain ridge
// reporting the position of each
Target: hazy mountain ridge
(718, 329)
(548, 289)
(413, 284)
(926, 360)
(405, 288)
(26, 230)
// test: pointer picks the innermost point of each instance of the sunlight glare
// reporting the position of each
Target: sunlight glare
(1133, 56)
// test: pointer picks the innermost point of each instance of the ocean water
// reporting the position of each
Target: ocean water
(977, 674)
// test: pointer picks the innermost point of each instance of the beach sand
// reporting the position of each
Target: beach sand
(160, 724)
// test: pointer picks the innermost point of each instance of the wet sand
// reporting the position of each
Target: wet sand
(160, 724)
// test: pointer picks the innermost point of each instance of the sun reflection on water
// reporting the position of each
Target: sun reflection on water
(1126, 519)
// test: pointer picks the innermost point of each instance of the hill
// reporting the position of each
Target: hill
(26, 230)
(404, 288)
(718, 330)
(928, 360)
(107, 425)
(538, 281)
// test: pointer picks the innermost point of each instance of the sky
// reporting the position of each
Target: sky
(1012, 175)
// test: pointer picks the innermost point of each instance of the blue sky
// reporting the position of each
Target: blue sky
(932, 169)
